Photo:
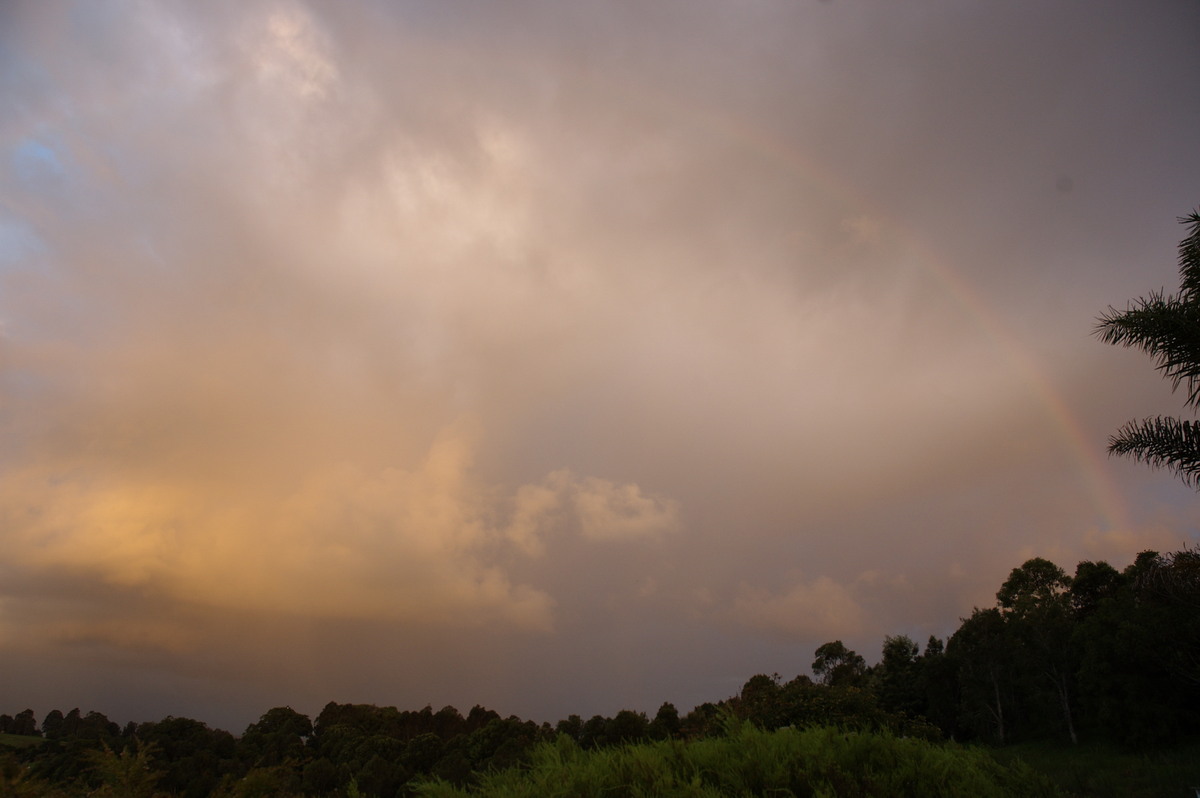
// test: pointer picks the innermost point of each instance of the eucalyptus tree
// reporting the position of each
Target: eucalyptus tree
(836, 665)
(1035, 602)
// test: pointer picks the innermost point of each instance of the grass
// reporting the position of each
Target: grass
(1102, 770)
(19, 741)
(817, 762)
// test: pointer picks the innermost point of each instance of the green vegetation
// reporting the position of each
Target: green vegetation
(1083, 685)
(751, 762)
(19, 741)
(1104, 770)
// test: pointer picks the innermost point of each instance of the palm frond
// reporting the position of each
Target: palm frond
(1166, 327)
(1162, 442)
(1189, 257)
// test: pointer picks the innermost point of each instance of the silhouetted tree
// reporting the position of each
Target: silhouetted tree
(52, 724)
(594, 732)
(572, 727)
(702, 721)
(1131, 649)
(837, 665)
(980, 653)
(277, 737)
(900, 689)
(666, 723)
(191, 756)
(1036, 606)
(1093, 583)
(24, 723)
(938, 680)
(479, 717)
(759, 702)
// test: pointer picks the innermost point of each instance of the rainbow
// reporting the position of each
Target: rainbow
(1107, 497)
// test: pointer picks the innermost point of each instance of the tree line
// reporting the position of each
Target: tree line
(1097, 654)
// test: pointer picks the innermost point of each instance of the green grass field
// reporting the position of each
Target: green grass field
(818, 762)
(19, 741)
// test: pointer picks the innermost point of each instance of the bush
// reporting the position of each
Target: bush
(821, 762)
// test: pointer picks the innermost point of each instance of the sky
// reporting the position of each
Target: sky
(563, 357)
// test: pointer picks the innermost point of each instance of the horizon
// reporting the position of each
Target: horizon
(563, 359)
(647, 711)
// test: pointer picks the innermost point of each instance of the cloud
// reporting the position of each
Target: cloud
(340, 542)
(612, 512)
(406, 544)
(820, 608)
(601, 510)
(291, 55)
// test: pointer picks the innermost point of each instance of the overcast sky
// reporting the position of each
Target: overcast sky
(563, 357)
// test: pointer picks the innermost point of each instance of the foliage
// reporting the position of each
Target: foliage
(1105, 770)
(820, 761)
(191, 756)
(277, 737)
(128, 774)
(1168, 328)
(837, 665)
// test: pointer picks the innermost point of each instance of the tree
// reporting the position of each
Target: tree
(979, 651)
(666, 722)
(1036, 605)
(191, 755)
(1167, 327)
(1172, 582)
(278, 736)
(52, 725)
(1093, 583)
(937, 677)
(627, 726)
(900, 689)
(128, 774)
(24, 723)
(837, 665)
(1134, 652)
(759, 701)
(1036, 582)
(572, 727)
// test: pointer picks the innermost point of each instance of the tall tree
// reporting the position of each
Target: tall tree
(1036, 605)
(836, 665)
(666, 722)
(900, 688)
(1167, 327)
(278, 736)
(982, 657)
